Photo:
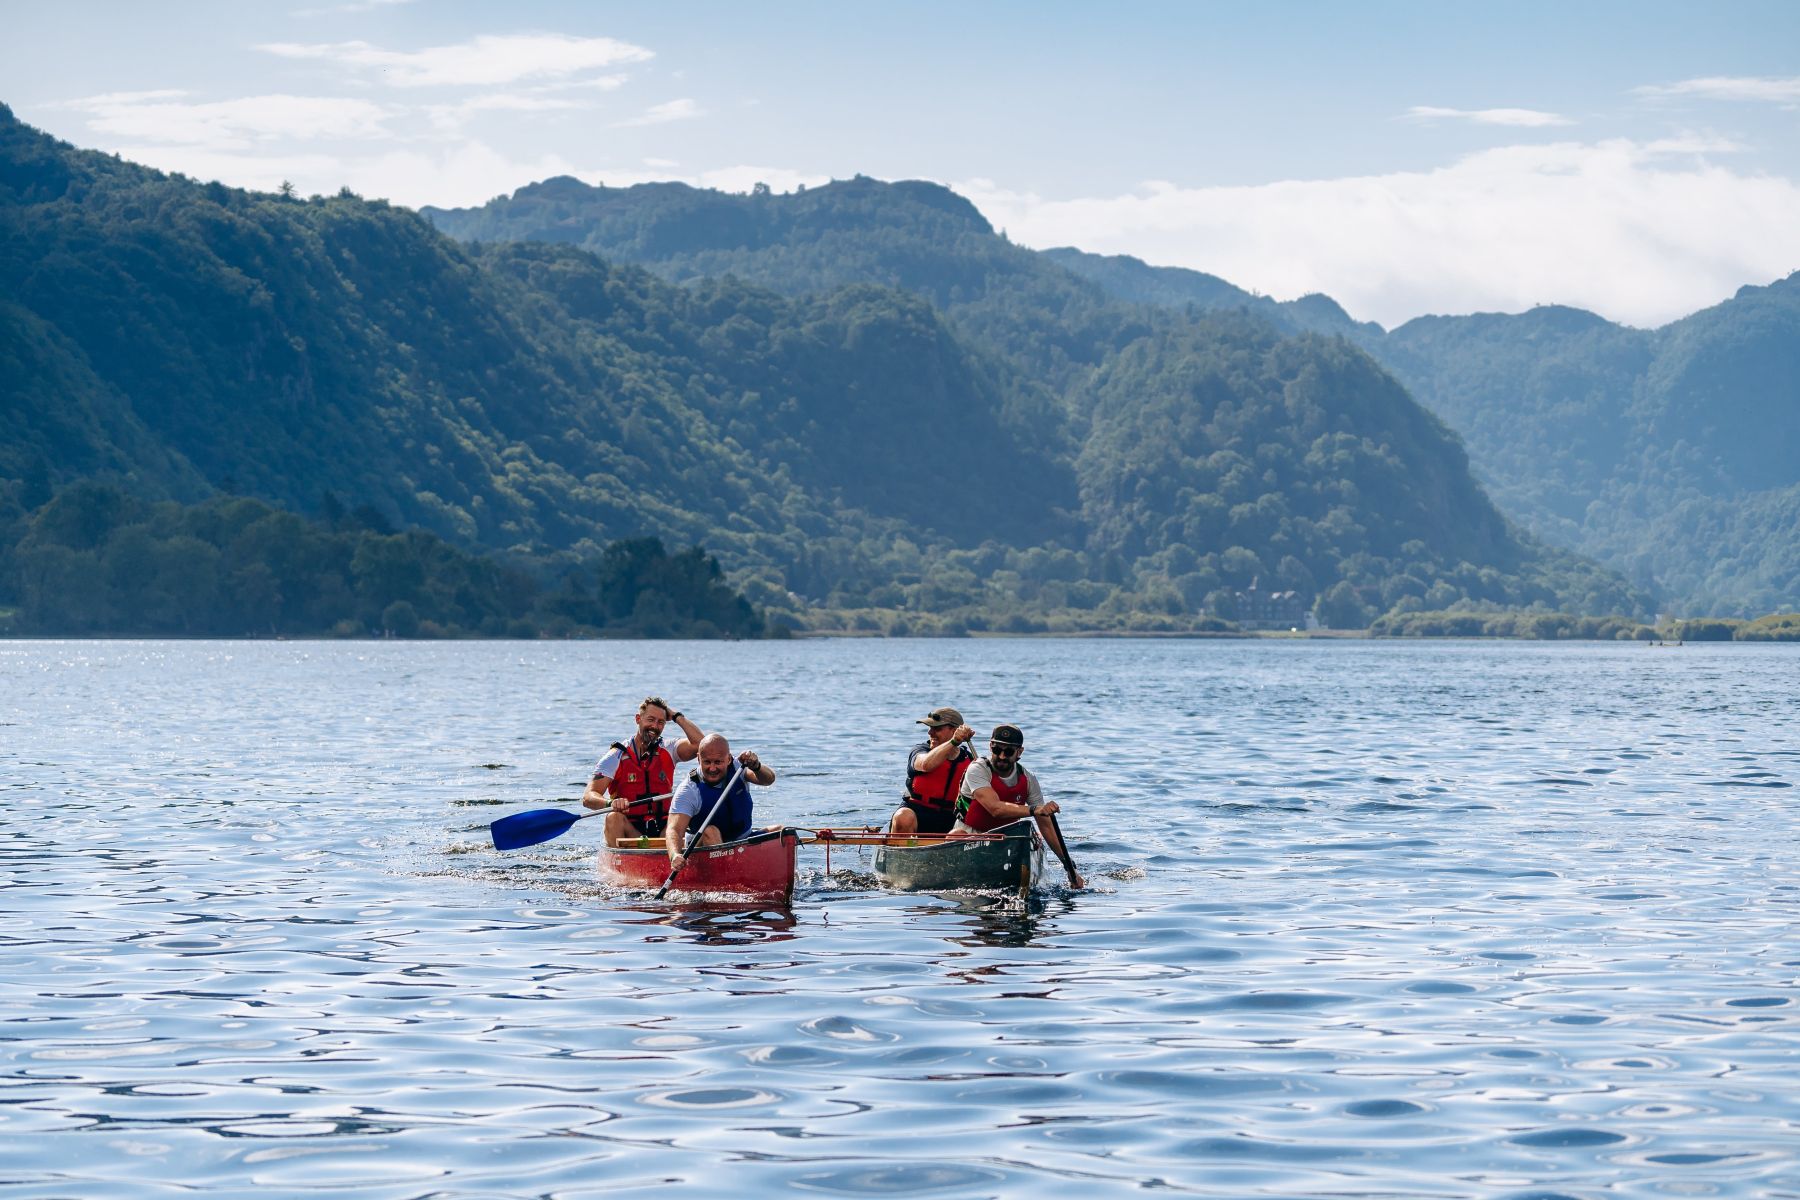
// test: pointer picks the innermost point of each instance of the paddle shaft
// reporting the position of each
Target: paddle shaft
(1062, 850)
(693, 838)
(630, 806)
(542, 824)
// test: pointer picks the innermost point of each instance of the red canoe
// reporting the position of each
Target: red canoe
(760, 866)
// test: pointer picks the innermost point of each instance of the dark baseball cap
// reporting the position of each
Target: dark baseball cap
(940, 716)
(1008, 735)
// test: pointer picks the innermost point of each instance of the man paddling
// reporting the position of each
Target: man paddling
(639, 775)
(934, 774)
(717, 789)
(997, 791)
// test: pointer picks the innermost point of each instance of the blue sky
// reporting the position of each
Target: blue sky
(1638, 159)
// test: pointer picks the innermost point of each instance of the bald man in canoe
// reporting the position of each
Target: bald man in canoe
(716, 789)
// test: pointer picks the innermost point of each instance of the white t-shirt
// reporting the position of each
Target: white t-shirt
(687, 799)
(980, 775)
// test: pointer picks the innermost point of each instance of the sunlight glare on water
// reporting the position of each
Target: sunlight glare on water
(1366, 919)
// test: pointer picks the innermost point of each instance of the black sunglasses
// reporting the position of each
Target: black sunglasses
(1000, 751)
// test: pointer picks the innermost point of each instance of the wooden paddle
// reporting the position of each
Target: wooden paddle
(694, 834)
(542, 824)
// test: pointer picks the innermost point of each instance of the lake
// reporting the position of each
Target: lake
(1367, 919)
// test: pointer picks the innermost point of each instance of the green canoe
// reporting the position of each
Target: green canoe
(1014, 859)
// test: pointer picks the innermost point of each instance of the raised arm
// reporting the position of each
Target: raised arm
(941, 753)
(755, 770)
(689, 745)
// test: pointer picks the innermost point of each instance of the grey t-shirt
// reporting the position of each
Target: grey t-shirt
(980, 775)
(687, 799)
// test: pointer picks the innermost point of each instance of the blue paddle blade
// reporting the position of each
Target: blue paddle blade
(530, 828)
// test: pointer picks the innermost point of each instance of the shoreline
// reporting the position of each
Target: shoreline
(797, 635)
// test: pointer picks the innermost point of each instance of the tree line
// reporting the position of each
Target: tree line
(95, 560)
(1559, 626)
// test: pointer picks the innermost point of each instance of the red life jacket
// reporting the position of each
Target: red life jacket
(936, 789)
(975, 814)
(640, 777)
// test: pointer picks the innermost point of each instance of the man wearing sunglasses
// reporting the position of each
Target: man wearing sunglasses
(997, 791)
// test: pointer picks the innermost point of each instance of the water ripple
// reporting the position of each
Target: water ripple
(1381, 920)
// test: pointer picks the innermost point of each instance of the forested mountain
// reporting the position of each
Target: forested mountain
(1127, 278)
(1047, 325)
(857, 398)
(1671, 454)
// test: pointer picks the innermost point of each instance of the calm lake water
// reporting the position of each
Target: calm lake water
(1368, 919)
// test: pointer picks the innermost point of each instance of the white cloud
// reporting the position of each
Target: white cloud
(1784, 91)
(486, 61)
(110, 99)
(448, 175)
(1694, 143)
(259, 172)
(550, 97)
(1527, 118)
(231, 124)
(466, 173)
(450, 118)
(604, 83)
(1626, 229)
(659, 114)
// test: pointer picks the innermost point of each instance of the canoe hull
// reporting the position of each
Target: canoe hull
(760, 866)
(1013, 862)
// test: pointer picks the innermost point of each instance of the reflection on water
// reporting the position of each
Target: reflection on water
(1447, 920)
(1001, 919)
(715, 922)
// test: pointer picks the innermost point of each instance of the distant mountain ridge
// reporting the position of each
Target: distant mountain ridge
(1634, 446)
(1672, 454)
(1133, 279)
(950, 430)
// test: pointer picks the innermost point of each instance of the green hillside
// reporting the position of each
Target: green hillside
(1670, 454)
(947, 431)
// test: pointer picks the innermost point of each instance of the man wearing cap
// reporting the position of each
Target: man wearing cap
(934, 772)
(997, 791)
